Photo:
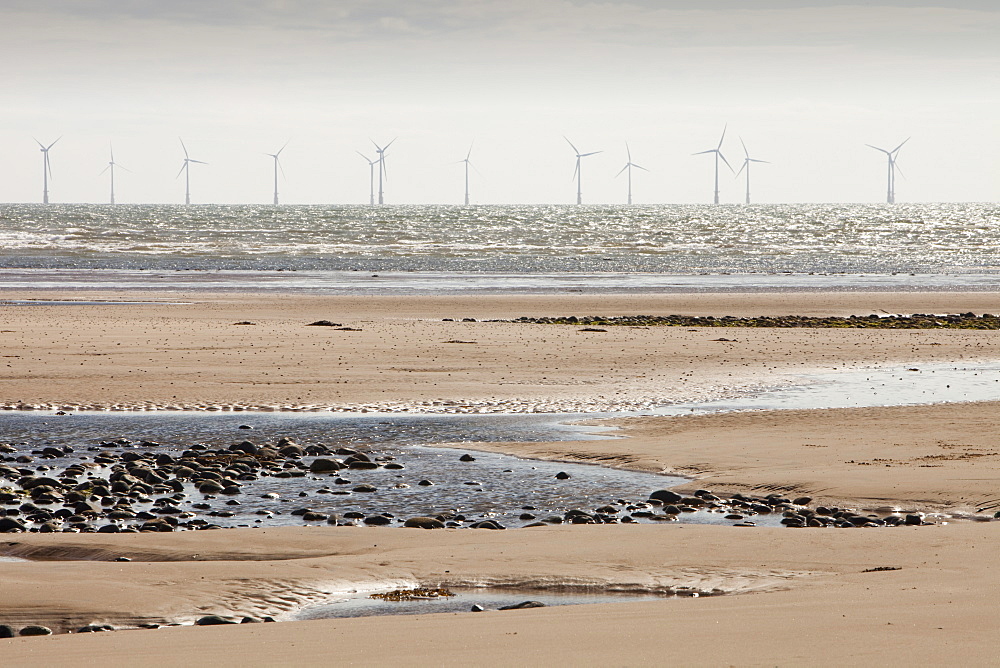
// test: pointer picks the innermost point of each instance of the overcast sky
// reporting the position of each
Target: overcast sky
(805, 83)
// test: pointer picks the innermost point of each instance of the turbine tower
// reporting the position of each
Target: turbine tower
(718, 154)
(746, 165)
(467, 164)
(46, 168)
(382, 175)
(371, 177)
(186, 170)
(890, 192)
(628, 166)
(277, 166)
(577, 173)
(111, 168)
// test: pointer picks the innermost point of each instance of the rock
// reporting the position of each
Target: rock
(6, 631)
(365, 488)
(325, 466)
(95, 628)
(425, 483)
(562, 475)
(8, 525)
(292, 450)
(666, 496)
(246, 446)
(802, 501)
(314, 516)
(477, 608)
(466, 458)
(250, 620)
(423, 523)
(323, 323)
(378, 520)
(523, 605)
(214, 620)
(35, 630)
(210, 487)
(487, 524)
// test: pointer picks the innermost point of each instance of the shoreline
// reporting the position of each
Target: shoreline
(809, 595)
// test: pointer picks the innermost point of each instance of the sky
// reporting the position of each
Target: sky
(806, 84)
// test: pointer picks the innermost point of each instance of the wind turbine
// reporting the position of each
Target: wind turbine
(718, 154)
(578, 173)
(46, 169)
(186, 170)
(371, 177)
(111, 168)
(467, 164)
(277, 166)
(382, 175)
(628, 166)
(890, 193)
(746, 165)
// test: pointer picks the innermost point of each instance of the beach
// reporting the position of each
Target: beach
(893, 595)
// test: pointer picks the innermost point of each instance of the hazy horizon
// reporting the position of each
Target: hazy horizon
(805, 84)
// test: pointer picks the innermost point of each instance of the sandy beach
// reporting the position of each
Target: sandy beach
(793, 597)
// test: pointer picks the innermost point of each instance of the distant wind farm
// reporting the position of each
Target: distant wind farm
(377, 170)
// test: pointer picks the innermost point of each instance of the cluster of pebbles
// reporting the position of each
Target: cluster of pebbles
(132, 487)
(888, 321)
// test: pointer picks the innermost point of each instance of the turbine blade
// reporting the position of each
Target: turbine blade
(591, 153)
(282, 148)
(741, 167)
(199, 162)
(370, 161)
(628, 152)
(622, 170)
(725, 161)
(469, 154)
(390, 143)
(755, 160)
(40, 144)
(877, 148)
(723, 137)
(576, 169)
(896, 167)
(711, 150)
(183, 167)
(639, 167)
(57, 141)
(745, 151)
(900, 146)
(105, 169)
(184, 147)
(571, 145)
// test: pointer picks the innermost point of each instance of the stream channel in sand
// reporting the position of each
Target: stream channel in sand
(492, 486)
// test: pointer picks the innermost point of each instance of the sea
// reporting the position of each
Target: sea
(402, 249)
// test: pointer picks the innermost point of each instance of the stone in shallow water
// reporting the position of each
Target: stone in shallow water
(214, 620)
(423, 523)
(35, 630)
(523, 605)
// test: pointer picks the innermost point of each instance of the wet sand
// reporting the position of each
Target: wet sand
(799, 596)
